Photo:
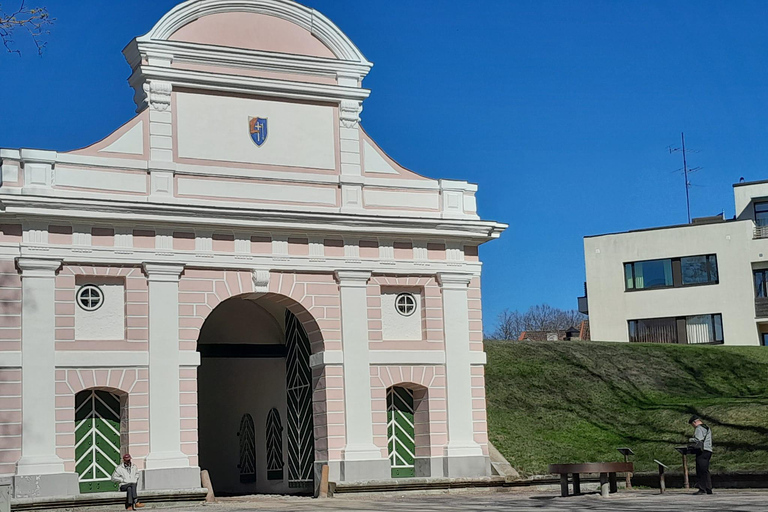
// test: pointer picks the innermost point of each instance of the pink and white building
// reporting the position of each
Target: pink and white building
(238, 279)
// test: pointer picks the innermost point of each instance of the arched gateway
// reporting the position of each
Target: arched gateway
(238, 276)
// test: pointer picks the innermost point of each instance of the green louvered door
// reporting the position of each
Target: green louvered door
(97, 439)
(400, 431)
(301, 440)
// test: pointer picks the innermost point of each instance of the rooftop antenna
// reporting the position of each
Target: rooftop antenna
(686, 172)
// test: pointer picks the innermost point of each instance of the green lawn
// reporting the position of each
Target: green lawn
(579, 401)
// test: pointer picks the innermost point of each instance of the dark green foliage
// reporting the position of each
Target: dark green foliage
(578, 401)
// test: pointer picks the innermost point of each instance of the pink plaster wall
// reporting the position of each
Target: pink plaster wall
(10, 307)
(253, 32)
(403, 250)
(334, 248)
(102, 237)
(475, 306)
(143, 239)
(223, 242)
(471, 253)
(10, 419)
(60, 235)
(261, 245)
(183, 241)
(10, 233)
(369, 249)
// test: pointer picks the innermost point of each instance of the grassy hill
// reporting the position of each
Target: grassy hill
(579, 401)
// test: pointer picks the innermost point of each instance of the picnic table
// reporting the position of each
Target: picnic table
(607, 471)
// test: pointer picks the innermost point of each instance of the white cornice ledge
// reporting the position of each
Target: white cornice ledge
(163, 272)
(33, 267)
(454, 281)
(352, 278)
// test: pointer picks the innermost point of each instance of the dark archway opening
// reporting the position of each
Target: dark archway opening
(255, 373)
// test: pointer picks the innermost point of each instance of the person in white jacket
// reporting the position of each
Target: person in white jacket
(127, 475)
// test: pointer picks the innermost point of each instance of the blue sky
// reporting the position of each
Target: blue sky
(561, 111)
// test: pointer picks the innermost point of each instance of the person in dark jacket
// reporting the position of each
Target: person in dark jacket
(702, 441)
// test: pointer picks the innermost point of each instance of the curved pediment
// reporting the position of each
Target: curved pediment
(268, 25)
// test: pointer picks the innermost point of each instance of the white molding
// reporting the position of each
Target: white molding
(454, 281)
(10, 359)
(407, 357)
(189, 358)
(222, 82)
(477, 358)
(328, 357)
(352, 278)
(34, 267)
(260, 280)
(257, 219)
(233, 261)
(101, 358)
(163, 272)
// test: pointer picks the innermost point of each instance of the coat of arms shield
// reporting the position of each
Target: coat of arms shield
(258, 129)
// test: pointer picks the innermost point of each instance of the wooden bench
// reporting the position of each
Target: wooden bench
(607, 472)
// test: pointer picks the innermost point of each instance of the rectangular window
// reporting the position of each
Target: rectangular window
(761, 279)
(696, 329)
(761, 213)
(653, 330)
(699, 269)
(671, 272)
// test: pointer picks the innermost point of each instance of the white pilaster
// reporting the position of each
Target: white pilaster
(164, 407)
(38, 368)
(357, 376)
(458, 373)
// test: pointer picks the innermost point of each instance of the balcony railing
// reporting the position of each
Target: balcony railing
(761, 231)
(761, 307)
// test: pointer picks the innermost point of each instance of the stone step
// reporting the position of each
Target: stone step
(93, 502)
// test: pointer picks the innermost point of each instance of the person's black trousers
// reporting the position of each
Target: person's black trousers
(703, 478)
(131, 495)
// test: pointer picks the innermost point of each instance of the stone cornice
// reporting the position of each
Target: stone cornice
(352, 278)
(163, 271)
(269, 220)
(38, 267)
(177, 51)
(454, 281)
(207, 81)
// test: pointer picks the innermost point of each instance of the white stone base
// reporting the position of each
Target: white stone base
(37, 486)
(171, 478)
(363, 470)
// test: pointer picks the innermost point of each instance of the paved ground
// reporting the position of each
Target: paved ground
(502, 500)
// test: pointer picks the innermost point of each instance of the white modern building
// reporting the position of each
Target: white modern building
(704, 282)
(238, 279)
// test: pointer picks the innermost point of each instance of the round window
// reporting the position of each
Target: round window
(405, 303)
(90, 297)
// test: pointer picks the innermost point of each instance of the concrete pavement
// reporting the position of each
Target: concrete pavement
(488, 500)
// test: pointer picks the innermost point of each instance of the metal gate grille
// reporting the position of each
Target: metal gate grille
(97, 439)
(401, 431)
(301, 442)
(274, 445)
(247, 436)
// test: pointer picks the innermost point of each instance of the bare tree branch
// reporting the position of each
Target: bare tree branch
(543, 317)
(33, 20)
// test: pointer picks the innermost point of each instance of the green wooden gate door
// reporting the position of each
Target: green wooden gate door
(401, 431)
(97, 439)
